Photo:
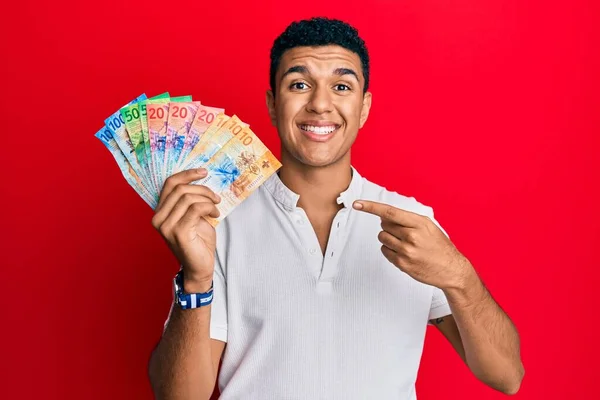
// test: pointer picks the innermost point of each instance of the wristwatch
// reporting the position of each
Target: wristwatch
(190, 300)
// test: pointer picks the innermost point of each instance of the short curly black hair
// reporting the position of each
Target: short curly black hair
(319, 31)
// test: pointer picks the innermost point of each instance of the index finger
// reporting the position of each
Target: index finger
(183, 177)
(387, 212)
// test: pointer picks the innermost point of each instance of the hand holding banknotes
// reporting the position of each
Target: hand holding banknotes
(192, 164)
(180, 220)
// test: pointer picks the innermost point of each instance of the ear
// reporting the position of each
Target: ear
(366, 107)
(271, 107)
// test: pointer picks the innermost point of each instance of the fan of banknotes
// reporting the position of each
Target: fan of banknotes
(153, 138)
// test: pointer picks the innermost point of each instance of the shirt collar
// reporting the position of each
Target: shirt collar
(289, 200)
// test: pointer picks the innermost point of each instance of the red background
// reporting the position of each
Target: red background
(485, 110)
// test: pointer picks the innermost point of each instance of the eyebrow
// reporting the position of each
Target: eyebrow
(296, 68)
(346, 71)
(301, 69)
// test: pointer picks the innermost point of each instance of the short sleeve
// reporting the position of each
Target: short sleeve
(218, 313)
(439, 305)
(430, 214)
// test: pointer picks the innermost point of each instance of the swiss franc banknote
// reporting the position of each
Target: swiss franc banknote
(180, 120)
(240, 166)
(106, 137)
(158, 117)
(145, 136)
(205, 116)
(116, 124)
(134, 115)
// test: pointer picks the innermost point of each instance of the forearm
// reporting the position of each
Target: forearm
(181, 366)
(490, 340)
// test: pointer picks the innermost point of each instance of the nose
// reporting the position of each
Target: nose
(320, 101)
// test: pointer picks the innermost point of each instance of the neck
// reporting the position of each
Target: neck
(318, 187)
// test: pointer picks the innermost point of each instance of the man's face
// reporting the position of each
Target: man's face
(319, 105)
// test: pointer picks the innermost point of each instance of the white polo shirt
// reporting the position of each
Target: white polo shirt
(303, 325)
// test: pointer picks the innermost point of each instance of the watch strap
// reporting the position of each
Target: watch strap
(191, 300)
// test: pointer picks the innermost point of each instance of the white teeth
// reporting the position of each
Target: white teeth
(319, 130)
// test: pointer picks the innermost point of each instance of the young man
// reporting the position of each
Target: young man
(323, 282)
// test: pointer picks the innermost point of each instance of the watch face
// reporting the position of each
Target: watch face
(176, 290)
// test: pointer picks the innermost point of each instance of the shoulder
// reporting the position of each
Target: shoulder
(374, 192)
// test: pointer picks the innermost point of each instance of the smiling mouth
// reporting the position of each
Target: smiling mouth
(321, 130)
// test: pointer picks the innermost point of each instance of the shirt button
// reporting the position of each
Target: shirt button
(312, 251)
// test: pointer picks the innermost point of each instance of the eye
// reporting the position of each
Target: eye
(298, 86)
(342, 88)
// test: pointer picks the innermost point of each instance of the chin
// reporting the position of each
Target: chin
(317, 163)
(316, 160)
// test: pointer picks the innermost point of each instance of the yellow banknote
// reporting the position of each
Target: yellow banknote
(245, 185)
(237, 169)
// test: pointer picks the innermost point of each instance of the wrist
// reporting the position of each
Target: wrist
(468, 289)
(466, 278)
(196, 284)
